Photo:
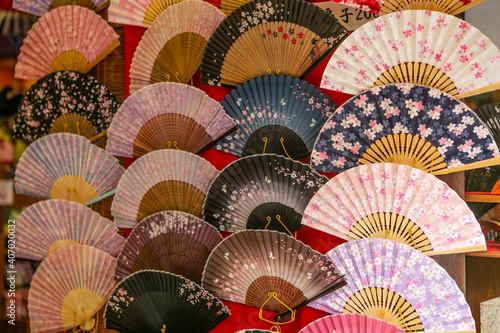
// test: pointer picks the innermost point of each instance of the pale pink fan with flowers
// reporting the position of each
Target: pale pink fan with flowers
(350, 323)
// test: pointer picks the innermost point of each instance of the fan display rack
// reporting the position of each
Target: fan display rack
(212, 155)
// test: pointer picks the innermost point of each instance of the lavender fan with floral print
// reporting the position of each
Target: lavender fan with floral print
(393, 282)
(415, 46)
(263, 191)
(165, 179)
(275, 114)
(153, 301)
(40, 7)
(406, 124)
(397, 202)
(65, 102)
(381, 7)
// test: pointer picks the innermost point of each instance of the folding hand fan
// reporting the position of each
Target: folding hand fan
(406, 124)
(165, 115)
(171, 241)
(482, 180)
(66, 166)
(152, 301)
(288, 37)
(398, 202)
(490, 115)
(415, 46)
(253, 331)
(275, 114)
(172, 48)
(65, 102)
(69, 287)
(350, 323)
(162, 180)
(261, 192)
(381, 7)
(270, 270)
(49, 225)
(66, 38)
(393, 282)
(40, 7)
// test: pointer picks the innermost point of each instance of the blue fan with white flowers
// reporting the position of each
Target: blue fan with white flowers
(275, 114)
(407, 124)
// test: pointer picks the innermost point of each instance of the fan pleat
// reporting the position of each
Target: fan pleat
(47, 222)
(154, 168)
(247, 256)
(385, 267)
(253, 189)
(61, 273)
(350, 323)
(490, 115)
(158, 298)
(40, 7)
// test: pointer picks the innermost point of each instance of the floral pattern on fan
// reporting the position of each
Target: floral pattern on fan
(62, 93)
(402, 108)
(386, 264)
(374, 6)
(40, 7)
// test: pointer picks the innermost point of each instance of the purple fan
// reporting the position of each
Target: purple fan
(393, 282)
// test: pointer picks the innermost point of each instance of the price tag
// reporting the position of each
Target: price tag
(351, 18)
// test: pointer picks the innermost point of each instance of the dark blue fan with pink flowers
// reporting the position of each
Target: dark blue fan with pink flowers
(407, 124)
(65, 101)
(275, 114)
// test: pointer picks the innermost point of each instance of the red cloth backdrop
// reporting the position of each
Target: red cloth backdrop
(242, 316)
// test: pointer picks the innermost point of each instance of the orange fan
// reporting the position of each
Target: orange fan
(66, 38)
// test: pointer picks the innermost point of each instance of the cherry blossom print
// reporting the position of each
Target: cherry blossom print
(448, 124)
(413, 36)
(372, 263)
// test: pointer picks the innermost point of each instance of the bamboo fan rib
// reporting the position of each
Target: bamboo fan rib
(249, 264)
(171, 241)
(65, 102)
(49, 225)
(350, 323)
(152, 301)
(69, 287)
(406, 124)
(40, 7)
(167, 115)
(382, 7)
(172, 48)
(66, 38)
(229, 6)
(393, 282)
(396, 202)
(288, 37)
(66, 166)
(162, 180)
(415, 46)
(275, 114)
(261, 192)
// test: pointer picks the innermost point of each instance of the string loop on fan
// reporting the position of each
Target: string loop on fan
(89, 326)
(78, 127)
(403, 320)
(177, 77)
(279, 220)
(276, 323)
(382, 311)
(282, 140)
(387, 232)
(265, 144)
(410, 232)
(163, 328)
(167, 77)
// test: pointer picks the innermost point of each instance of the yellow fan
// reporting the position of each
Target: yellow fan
(66, 38)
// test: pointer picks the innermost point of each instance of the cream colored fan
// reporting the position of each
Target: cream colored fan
(49, 225)
(66, 38)
(415, 46)
(69, 287)
(137, 12)
(398, 202)
(164, 115)
(40, 7)
(66, 166)
(381, 7)
(162, 180)
(172, 48)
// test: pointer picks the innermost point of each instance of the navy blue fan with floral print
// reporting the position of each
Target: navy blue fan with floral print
(262, 37)
(407, 124)
(65, 101)
(275, 114)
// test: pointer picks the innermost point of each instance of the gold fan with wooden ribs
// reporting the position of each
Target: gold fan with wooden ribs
(66, 38)
(172, 47)
(263, 37)
(382, 7)
(165, 179)
(40, 7)
(415, 46)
